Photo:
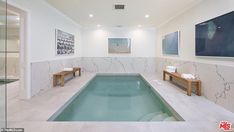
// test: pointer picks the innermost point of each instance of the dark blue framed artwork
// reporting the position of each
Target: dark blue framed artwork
(215, 37)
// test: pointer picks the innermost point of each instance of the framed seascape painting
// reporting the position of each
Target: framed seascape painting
(170, 44)
(119, 45)
(65, 43)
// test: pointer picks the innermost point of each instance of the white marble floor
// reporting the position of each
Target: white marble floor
(200, 114)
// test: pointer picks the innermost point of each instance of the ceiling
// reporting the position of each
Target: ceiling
(159, 11)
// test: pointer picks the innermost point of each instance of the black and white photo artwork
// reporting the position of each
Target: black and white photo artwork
(64, 43)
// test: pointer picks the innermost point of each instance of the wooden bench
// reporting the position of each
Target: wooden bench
(61, 75)
(188, 81)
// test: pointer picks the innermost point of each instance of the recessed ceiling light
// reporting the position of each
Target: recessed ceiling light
(147, 16)
(17, 18)
(119, 26)
(99, 25)
(139, 26)
(90, 15)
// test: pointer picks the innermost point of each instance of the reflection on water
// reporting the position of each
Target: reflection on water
(6, 81)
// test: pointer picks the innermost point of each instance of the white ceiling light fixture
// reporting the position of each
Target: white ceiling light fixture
(91, 15)
(99, 25)
(147, 16)
(139, 26)
(17, 18)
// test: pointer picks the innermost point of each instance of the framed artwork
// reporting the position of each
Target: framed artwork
(65, 43)
(119, 45)
(170, 43)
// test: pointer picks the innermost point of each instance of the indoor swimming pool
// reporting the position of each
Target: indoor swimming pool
(116, 98)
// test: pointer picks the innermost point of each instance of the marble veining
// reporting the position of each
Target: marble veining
(196, 70)
(226, 86)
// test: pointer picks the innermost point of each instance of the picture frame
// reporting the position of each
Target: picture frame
(64, 43)
(171, 44)
(119, 45)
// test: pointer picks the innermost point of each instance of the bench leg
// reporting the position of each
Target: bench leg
(198, 89)
(170, 77)
(164, 76)
(189, 90)
(79, 72)
(54, 80)
(74, 74)
(62, 81)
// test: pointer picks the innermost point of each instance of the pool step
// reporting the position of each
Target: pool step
(157, 116)
(169, 119)
(149, 116)
(160, 117)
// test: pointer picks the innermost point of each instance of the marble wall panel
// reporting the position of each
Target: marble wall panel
(118, 65)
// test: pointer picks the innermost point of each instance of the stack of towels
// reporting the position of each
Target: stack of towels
(171, 69)
(67, 69)
(188, 76)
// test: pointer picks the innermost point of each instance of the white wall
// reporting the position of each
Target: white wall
(186, 24)
(43, 20)
(96, 41)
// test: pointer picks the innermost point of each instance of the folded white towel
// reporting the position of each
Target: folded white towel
(67, 69)
(171, 68)
(188, 76)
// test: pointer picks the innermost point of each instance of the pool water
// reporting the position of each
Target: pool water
(5, 81)
(116, 98)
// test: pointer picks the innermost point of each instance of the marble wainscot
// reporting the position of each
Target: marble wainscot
(42, 73)
(119, 65)
(217, 80)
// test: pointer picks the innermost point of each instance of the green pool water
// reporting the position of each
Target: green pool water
(5, 81)
(116, 98)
